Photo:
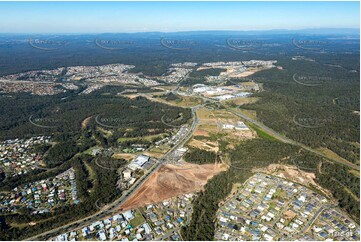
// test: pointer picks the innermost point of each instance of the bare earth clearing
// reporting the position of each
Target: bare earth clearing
(294, 174)
(172, 180)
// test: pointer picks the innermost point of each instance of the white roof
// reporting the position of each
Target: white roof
(102, 236)
(225, 236)
(147, 228)
(128, 215)
(139, 161)
(62, 237)
(115, 217)
(223, 97)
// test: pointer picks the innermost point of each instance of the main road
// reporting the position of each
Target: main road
(290, 141)
(114, 206)
(281, 137)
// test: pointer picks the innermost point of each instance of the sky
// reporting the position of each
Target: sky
(116, 17)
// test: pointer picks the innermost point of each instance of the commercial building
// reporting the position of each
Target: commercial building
(138, 162)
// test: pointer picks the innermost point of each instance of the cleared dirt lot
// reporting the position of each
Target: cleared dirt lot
(293, 173)
(172, 180)
(210, 124)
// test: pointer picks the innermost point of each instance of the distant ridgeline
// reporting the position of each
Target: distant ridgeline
(146, 52)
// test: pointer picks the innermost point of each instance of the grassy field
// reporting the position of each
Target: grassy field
(355, 172)
(333, 155)
(105, 132)
(190, 101)
(204, 114)
(138, 219)
(125, 156)
(90, 150)
(262, 133)
(250, 113)
(212, 116)
(92, 174)
(147, 138)
(159, 151)
(242, 100)
(209, 130)
(351, 193)
(185, 101)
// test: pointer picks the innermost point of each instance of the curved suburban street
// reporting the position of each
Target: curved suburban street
(114, 206)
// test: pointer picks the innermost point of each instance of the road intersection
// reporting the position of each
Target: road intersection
(114, 206)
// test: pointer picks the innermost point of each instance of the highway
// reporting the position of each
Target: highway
(279, 136)
(113, 207)
(290, 141)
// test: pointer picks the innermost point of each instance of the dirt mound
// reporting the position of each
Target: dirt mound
(172, 180)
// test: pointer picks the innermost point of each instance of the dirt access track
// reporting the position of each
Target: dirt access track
(172, 180)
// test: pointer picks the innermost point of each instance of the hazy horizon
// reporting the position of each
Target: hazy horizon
(135, 17)
(313, 30)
